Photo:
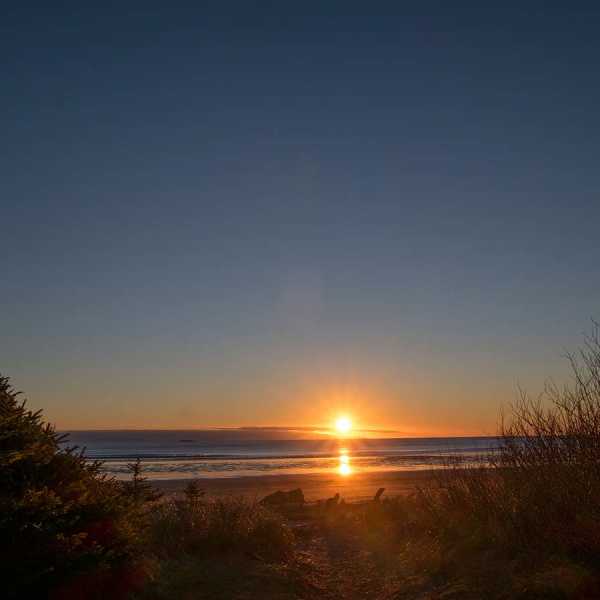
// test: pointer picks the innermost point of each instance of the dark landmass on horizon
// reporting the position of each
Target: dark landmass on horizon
(285, 433)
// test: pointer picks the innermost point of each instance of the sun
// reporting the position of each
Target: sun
(343, 425)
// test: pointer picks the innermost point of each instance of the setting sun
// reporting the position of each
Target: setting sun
(343, 424)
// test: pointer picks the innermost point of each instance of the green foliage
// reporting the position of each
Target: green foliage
(62, 522)
(139, 490)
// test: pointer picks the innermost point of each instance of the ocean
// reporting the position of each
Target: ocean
(247, 452)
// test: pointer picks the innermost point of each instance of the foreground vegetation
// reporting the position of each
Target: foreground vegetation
(525, 526)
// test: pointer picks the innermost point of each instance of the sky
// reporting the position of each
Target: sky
(268, 213)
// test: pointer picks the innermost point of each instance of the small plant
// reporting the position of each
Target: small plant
(193, 494)
(138, 488)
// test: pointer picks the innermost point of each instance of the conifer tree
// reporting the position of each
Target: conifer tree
(62, 521)
(138, 488)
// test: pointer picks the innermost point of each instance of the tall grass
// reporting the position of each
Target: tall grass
(539, 495)
(191, 525)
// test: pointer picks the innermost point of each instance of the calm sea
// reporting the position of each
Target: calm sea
(232, 453)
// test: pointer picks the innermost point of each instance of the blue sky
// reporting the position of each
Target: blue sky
(241, 213)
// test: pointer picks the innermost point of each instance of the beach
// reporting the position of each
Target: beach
(352, 488)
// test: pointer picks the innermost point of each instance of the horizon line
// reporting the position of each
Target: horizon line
(321, 431)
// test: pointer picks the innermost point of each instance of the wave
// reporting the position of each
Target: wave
(227, 456)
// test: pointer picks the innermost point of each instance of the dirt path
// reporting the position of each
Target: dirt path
(341, 568)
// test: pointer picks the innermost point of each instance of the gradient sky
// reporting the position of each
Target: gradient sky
(245, 213)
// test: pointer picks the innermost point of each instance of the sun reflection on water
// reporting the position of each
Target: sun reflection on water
(344, 467)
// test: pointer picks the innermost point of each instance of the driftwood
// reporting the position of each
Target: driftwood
(280, 498)
(332, 502)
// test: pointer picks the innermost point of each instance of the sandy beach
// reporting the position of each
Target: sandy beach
(315, 486)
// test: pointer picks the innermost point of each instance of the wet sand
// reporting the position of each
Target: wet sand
(353, 487)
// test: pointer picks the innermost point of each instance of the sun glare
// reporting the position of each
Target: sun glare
(344, 463)
(343, 425)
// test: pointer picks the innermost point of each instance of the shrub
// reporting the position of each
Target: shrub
(139, 490)
(65, 529)
(541, 491)
(192, 525)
